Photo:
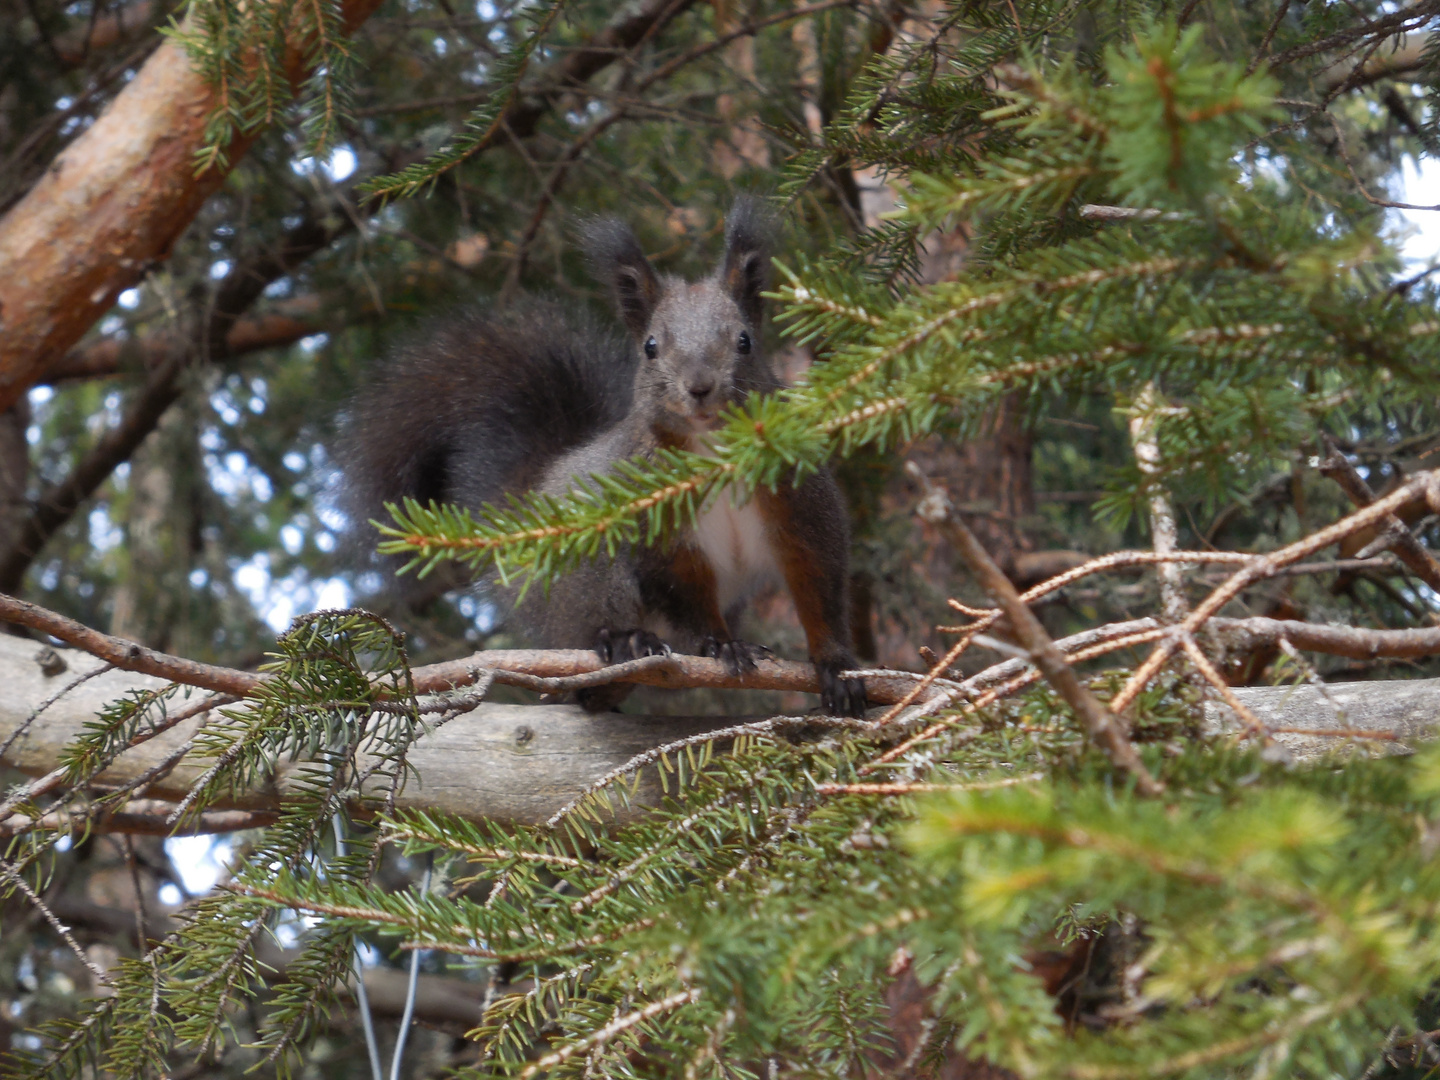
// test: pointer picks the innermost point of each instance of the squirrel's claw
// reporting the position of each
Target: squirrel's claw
(620, 646)
(737, 656)
(840, 697)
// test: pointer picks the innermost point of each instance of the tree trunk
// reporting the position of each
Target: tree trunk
(14, 472)
(152, 587)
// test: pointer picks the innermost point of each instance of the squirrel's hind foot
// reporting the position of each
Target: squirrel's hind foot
(840, 697)
(620, 646)
(737, 656)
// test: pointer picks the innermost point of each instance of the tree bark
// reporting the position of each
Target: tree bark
(286, 324)
(521, 763)
(111, 206)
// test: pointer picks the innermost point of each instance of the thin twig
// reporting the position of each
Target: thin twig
(1407, 549)
(517, 667)
(1269, 37)
(610, 1030)
(1202, 664)
(1424, 485)
(1360, 184)
(1105, 728)
(921, 789)
(16, 879)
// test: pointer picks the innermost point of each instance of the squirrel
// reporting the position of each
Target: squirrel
(493, 405)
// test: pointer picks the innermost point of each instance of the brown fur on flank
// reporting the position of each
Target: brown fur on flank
(538, 400)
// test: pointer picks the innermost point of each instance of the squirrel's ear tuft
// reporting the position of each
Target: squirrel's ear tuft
(746, 270)
(619, 261)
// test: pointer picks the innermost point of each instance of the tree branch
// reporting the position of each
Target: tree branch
(1424, 486)
(1408, 549)
(1407, 19)
(237, 291)
(112, 205)
(1105, 728)
(286, 324)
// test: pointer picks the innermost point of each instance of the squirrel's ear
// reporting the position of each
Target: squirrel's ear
(619, 260)
(746, 270)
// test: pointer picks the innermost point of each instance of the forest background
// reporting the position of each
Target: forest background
(166, 477)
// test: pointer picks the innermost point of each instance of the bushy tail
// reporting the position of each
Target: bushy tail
(480, 407)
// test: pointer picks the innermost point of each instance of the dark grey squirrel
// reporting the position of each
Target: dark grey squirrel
(535, 398)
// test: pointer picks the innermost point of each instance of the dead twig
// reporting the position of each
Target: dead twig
(1406, 548)
(1104, 727)
(1424, 485)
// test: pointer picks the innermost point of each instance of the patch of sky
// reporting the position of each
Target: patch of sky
(1420, 186)
(259, 393)
(336, 166)
(201, 861)
(278, 287)
(482, 615)
(279, 601)
(232, 476)
(130, 298)
(292, 539)
(219, 268)
(330, 515)
(199, 577)
(440, 45)
(104, 533)
(294, 461)
(224, 407)
(110, 324)
(314, 342)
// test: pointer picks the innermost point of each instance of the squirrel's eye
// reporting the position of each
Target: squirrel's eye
(651, 349)
(744, 343)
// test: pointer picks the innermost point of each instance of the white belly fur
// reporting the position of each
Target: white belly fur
(737, 546)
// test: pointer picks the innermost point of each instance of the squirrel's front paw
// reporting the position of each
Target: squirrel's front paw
(840, 697)
(737, 656)
(618, 646)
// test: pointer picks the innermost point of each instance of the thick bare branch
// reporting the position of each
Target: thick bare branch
(1405, 55)
(112, 205)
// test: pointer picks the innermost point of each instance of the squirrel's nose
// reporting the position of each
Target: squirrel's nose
(700, 389)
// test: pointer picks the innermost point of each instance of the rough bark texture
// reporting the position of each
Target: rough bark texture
(516, 763)
(112, 205)
(286, 324)
(14, 472)
(1401, 712)
(521, 763)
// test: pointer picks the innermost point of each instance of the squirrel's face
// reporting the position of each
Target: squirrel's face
(698, 354)
(700, 341)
